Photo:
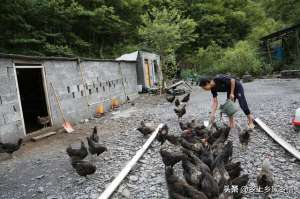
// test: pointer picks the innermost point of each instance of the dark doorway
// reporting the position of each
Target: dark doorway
(32, 94)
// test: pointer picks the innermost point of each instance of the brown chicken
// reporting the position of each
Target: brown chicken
(43, 120)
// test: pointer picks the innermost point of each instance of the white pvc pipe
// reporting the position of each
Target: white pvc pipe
(278, 139)
(116, 182)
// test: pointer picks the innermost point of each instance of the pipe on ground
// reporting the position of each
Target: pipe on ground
(117, 181)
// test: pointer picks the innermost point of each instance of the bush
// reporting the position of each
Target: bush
(240, 59)
(208, 58)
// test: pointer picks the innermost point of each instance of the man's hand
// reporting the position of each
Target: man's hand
(231, 96)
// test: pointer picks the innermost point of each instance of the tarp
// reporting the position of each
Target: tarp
(128, 57)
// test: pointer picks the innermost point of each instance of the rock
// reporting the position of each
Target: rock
(133, 178)
(125, 193)
(93, 196)
(131, 186)
(40, 190)
(88, 189)
(54, 197)
(39, 177)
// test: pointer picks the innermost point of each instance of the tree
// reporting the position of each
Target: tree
(164, 31)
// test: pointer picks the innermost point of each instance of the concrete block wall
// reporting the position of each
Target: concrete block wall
(11, 126)
(81, 88)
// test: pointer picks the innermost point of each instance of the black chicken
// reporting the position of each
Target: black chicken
(145, 129)
(170, 98)
(206, 156)
(191, 173)
(195, 160)
(187, 125)
(10, 148)
(178, 187)
(221, 175)
(226, 154)
(240, 181)
(162, 134)
(234, 169)
(170, 154)
(195, 147)
(177, 102)
(265, 177)
(95, 148)
(209, 186)
(180, 111)
(94, 135)
(186, 98)
(176, 140)
(244, 137)
(83, 168)
(78, 154)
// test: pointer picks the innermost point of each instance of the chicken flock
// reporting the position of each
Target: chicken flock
(77, 156)
(205, 158)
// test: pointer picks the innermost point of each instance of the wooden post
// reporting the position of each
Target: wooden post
(83, 84)
(122, 77)
(269, 53)
(297, 42)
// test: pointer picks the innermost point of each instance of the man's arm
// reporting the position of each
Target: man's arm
(232, 87)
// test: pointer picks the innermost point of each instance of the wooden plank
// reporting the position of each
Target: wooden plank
(44, 135)
(116, 182)
(174, 85)
(278, 139)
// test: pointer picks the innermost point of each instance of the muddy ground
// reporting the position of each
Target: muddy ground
(42, 169)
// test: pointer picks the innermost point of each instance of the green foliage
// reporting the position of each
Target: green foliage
(207, 36)
(287, 11)
(208, 58)
(263, 29)
(240, 59)
(164, 31)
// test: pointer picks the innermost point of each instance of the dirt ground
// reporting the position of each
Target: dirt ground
(42, 169)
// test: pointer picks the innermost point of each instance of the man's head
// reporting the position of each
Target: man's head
(206, 83)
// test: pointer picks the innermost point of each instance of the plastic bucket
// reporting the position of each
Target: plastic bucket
(229, 108)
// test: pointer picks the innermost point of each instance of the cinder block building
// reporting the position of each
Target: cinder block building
(81, 85)
(149, 72)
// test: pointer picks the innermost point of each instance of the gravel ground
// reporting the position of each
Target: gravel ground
(42, 169)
